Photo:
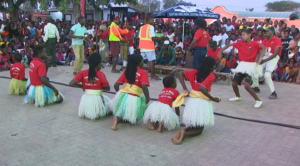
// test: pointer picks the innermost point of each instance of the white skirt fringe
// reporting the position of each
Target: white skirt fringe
(198, 112)
(250, 68)
(91, 106)
(160, 112)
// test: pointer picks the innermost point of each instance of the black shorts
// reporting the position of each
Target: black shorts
(238, 77)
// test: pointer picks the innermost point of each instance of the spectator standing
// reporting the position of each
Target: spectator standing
(217, 37)
(51, 33)
(256, 26)
(199, 43)
(147, 45)
(78, 33)
(236, 25)
(114, 38)
(223, 35)
(285, 40)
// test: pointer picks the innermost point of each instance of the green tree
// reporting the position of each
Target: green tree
(14, 6)
(169, 3)
(283, 6)
(63, 5)
(250, 9)
(150, 5)
(207, 8)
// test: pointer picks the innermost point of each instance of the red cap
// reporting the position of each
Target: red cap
(116, 17)
(103, 21)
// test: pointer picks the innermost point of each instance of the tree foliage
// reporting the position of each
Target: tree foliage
(207, 8)
(169, 3)
(250, 9)
(154, 5)
(283, 6)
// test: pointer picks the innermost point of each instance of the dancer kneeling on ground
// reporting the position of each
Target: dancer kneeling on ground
(17, 72)
(40, 92)
(93, 103)
(161, 110)
(198, 111)
(248, 67)
(127, 105)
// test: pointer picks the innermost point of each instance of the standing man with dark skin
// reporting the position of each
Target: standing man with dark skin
(147, 45)
(199, 43)
(78, 33)
(114, 39)
(50, 38)
(270, 60)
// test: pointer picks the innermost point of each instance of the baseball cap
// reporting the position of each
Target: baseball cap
(270, 28)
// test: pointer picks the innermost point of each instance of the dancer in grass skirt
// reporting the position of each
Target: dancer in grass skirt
(161, 110)
(40, 91)
(17, 72)
(128, 105)
(198, 111)
(93, 103)
(248, 67)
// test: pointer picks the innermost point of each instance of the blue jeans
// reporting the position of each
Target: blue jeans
(227, 70)
(166, 61)
(60, 62)
(198, 56)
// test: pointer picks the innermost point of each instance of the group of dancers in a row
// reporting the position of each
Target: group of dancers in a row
(128, 105)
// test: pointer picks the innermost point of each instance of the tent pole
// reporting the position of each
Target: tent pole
(183, 30)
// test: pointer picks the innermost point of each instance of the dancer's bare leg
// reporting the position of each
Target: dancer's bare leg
(187, 132)
(150, 125)
(117, 120)
(159, 129)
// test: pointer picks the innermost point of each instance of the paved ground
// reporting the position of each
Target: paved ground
(55, 135)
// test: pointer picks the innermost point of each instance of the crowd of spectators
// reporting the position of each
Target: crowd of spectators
(173, 39)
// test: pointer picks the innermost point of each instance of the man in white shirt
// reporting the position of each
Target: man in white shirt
(228, 26)
(217, 37)
(256, 25)
(50, 38)
(224, 35)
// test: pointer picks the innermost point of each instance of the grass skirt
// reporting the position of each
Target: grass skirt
(41, 95)
(198, 112)
(17, 87)
(160, 112)
(128, 107)
(93, 106)
(250, 68)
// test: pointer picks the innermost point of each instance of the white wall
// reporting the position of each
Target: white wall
(56, 15)
(105, 13)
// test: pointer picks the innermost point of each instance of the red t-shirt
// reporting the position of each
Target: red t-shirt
(168, 95)
(213, 53)
(274, 42)
(190, 75)
(247, 51)
(17, 71)
(128, 35)
(232, 63)
(280, 71)
(203, 38)
(37, 69)
(100, 80)
(258, 39)
(60, 56)
(141, 78)
(236, 25)
(5, 56)
(24, 32)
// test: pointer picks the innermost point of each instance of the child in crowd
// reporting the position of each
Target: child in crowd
(128, 105)
(93, 103)
(291, 71)
(230, 64)
(60, 57)
(179, 56)
(40, 92)
(40, 42)
(248, 66)
(24, 60)
(198, 111)
(161, 111)
(4, 60)
(17, 72)
(280, 73)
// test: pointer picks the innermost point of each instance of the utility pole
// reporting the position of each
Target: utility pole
(149, 6)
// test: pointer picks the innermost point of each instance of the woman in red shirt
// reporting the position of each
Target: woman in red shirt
(103, 42)
(24, 31)
(161, 110)
(93, 103)
(198, 111)
(199, 44)
(128, 105)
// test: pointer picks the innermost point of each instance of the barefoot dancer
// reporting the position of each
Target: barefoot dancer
(93, 103)
(248, 66)
(41, 92)
(127, 105)
(198, 109)
(161, 110)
